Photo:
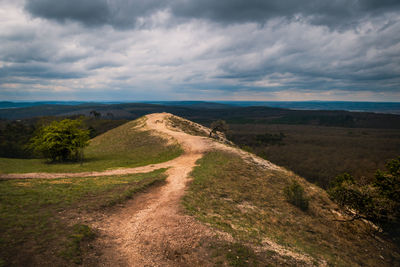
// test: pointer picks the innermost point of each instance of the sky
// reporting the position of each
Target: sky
(134, 50)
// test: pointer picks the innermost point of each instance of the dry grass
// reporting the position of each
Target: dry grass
(249, 203)
(187, 126)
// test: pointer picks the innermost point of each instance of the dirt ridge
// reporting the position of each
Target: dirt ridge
(151, 229)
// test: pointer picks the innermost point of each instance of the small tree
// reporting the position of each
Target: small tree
(378, 202)
(218, 126)
(295, 195)
(61, 140)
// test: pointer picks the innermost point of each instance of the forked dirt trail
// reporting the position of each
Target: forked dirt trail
(192, 145)
(150, 230)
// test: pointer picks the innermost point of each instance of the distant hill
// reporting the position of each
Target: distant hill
(9, 104)
(378, 107)
(204, 112)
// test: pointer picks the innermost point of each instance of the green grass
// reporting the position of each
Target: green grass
(81, 233)
(36, 214)
(123, 146)
(249, 203)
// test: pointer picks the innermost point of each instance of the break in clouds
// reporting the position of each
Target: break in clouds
(187, 49)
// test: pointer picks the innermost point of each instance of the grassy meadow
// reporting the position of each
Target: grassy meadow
(249, 203)
(123, 146)
(42, 221)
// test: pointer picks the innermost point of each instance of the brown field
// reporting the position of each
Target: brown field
(320, 153)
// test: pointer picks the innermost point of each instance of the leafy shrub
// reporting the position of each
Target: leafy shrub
(347, 194)
(295, 195)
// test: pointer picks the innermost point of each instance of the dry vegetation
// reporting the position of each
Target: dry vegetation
(249, 203)
(187, 126)
(321, 153)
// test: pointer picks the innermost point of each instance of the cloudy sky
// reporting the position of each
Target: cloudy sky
(127, 50)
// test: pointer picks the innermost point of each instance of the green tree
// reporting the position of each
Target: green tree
(61, 140)
(378, 201)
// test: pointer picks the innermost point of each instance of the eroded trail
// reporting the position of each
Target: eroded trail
(151, 230)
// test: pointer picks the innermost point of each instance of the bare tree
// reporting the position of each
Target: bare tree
(219, 126)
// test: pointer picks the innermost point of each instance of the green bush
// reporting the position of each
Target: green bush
(295, 195)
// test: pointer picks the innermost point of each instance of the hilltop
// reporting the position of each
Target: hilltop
(219, 205)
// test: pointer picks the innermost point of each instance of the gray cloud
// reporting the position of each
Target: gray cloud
(118, 13)
(125, 13)
(87, 12)
(185, 49)
(38, 71)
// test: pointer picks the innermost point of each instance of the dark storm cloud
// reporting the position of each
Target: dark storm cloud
(124, 13)
(334, 14)
(118, 13)
(87, 12)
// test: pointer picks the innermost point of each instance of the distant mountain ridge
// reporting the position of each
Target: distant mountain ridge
(205, 113)
(378, 107)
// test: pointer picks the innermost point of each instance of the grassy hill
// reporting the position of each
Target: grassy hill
(248, 202)
(43, 221)
(124, 146)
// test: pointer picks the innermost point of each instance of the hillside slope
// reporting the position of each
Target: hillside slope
(223, 206)
(243, 217)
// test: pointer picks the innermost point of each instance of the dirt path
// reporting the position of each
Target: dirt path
(157, 123)
(151, 230)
